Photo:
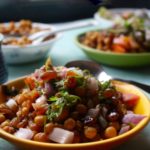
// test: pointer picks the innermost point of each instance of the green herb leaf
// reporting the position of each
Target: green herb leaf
(80, 80)
(53, 99)
(105, 85)
(55, 109)
(59, 103)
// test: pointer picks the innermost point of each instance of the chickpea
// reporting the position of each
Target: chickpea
(110, 132)
(115, 124)
(14, 122)
(25, 103)
(5, 123)
(90, 132)
(6, 128)
(39, 120)
(24, 111)
(2, 118)
(9, 129)
(19, 113)
(70, 124)
(41, 137)
(48, 128)
(25, 24)
(22, 124)
(82, 109)
(5, 109)
(11, 26)
(34, 127)
(32, 115)
(20, 98)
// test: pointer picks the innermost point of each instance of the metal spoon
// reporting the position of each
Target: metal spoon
(40, 36)
(98, 71)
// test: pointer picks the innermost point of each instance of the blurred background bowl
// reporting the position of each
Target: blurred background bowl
(126, 60)
(29, 53)
(116, 11)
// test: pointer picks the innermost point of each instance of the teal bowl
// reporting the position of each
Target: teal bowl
(114, 59)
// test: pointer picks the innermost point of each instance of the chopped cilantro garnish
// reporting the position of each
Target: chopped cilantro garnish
(105, 85)
(59, 103)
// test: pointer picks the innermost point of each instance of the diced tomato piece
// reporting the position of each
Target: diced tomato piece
(71, 73)
(41, 111)
(123, 41)
(30, 82)
(130, 99)
(35, 94)
(118, 48)
(49, 75)
(71, 82)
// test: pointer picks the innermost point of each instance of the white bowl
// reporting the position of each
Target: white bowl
(29, 53)
(110, 23)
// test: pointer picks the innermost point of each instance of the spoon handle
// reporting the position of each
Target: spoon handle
(40, 36)
(145, 87)
(75, 25)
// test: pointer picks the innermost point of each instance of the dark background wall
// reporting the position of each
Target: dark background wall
(58, 10)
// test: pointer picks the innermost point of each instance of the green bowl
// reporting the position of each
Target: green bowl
(114, 59)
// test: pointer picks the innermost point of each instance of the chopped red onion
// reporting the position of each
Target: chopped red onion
(118, 40)
(93, 112)
(130, 112)
(36, 73)
(63, 72)
(48, 89)
(92, 84)
(38, 106)
(41, 100)
(132, 118)
(61, 136)
(124, 129)
(11, 103)
(24, 133)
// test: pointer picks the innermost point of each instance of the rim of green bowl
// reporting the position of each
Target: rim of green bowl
(93, 50)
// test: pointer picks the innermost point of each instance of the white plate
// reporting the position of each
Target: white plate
(29, 53)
